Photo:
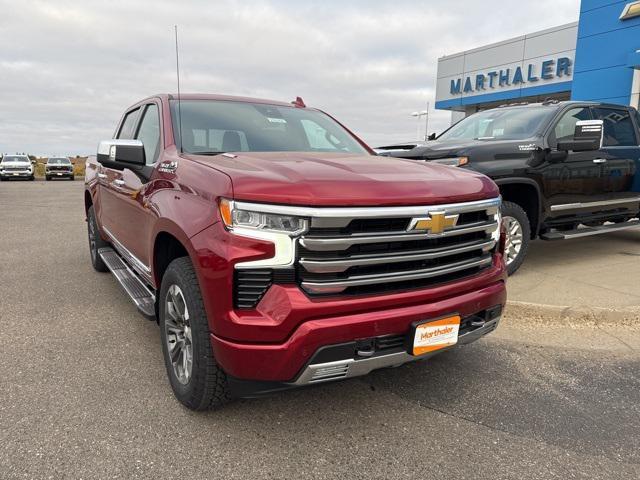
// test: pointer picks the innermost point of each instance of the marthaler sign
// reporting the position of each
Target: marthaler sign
(546, 70)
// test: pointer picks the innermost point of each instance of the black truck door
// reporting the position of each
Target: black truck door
(620, 152)
(575, 177)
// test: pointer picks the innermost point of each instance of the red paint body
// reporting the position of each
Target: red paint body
(275, 340)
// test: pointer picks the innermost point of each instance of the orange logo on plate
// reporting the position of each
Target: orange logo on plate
(435, 335)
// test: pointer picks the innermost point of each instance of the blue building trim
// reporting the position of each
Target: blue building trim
(507, 95)
(606, 52)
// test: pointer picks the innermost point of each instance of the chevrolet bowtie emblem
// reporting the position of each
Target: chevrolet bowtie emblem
(436, 222)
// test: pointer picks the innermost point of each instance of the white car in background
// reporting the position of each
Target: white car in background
(16, 166)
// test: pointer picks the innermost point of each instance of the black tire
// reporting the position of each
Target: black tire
(95, 241)
(206, 387)
(32, 178)
(47, 178)
(514, 211)
(72, 178)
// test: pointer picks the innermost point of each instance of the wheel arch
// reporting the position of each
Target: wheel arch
(526, 193)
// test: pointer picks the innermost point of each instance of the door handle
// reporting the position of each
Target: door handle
(599, 160)
(102, 175)
(118, 182)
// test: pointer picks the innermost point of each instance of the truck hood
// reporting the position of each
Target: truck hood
(327, 179)
(452, 148)
(15, 164)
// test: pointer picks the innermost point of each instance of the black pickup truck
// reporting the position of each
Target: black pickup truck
(565, 169)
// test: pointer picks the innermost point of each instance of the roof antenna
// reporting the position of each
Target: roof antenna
(175, 27)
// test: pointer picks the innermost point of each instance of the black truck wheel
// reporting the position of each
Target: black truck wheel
(518, 228)
(197, 380)
(95, 241)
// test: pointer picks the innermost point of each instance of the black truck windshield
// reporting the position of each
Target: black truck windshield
(217, 126)
(515, 123)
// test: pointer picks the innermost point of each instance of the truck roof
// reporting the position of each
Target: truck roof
(558, 104)
(209, 96)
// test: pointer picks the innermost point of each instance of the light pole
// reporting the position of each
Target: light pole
(423, 113)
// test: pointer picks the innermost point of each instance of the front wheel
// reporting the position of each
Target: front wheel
(95, 242)
(197, 380)
(518, 230)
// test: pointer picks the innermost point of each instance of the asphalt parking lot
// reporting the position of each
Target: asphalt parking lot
(83, 392)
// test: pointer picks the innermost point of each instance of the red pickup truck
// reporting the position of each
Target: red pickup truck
(276, 250)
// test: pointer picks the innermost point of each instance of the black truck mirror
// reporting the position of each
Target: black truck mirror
(121, 154)
(588, 136)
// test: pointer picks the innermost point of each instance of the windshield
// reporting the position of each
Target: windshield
(15, 158)
(59, 161)
(500, 124)
(214, 126)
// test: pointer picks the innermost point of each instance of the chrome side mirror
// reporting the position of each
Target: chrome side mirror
(588, 135)
(121, 154)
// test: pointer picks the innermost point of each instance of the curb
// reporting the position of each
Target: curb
(535, 314)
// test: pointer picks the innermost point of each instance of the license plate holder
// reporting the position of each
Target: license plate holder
(434, 334)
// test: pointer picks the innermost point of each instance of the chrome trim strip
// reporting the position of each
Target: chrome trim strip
(602, 203)
(319, 244)
(336, 266)
(134, 261)
(339, 286)
(366, 212)
(349, 367)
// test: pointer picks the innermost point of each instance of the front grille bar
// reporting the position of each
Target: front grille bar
(340, 286)
(320, 244)
(340, 265)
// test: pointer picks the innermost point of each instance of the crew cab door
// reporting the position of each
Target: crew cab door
(575, 176)
(620, 152)
(125, 213)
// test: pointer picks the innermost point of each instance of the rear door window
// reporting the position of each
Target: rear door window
(618, 127)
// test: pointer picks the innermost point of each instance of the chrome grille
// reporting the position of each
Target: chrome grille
(356, 256)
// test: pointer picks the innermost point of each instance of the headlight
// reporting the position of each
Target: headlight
(452, 162)
(255, 220)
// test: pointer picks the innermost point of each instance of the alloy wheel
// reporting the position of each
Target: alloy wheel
(513, 242)
(92, 239)
(178, 334)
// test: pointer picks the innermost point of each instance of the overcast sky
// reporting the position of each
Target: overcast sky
(69, 68)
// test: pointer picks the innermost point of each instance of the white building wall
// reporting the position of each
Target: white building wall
(533, 48)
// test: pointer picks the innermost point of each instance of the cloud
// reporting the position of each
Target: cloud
(69, 68)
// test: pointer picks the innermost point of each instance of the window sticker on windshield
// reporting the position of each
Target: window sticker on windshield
(276, 120)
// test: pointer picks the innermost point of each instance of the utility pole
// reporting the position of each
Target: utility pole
(423, 113)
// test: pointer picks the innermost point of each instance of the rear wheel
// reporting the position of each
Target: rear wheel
(95, 241)
(197, 380)
(518, 229)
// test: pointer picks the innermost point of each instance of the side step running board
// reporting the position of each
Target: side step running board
(588, 231)
(135, 288)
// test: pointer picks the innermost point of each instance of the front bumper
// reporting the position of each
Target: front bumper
(285, 362)
(59, 174)
(351, 365)
(16, 174)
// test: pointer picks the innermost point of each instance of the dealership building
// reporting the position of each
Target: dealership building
(596, 58)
